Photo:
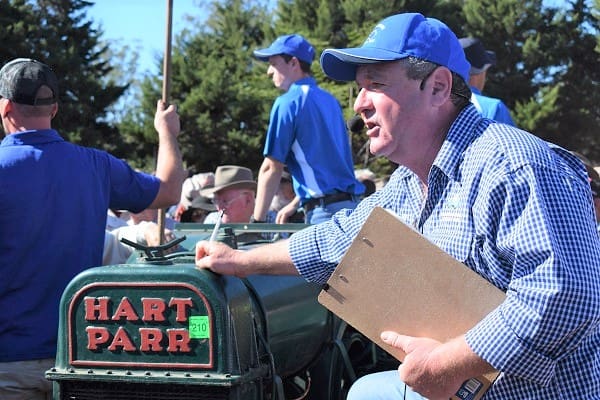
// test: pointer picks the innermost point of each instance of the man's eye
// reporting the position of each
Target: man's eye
(375, 86)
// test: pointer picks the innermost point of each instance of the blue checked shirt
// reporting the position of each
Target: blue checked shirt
(519, 212)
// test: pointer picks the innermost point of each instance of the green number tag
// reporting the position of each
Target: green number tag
(199, 327)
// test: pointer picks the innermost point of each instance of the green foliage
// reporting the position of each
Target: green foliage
(58, 33)
(223, 96)
(546, 73)
(547, 66)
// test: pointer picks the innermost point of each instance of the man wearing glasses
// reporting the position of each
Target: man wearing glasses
(233, 194)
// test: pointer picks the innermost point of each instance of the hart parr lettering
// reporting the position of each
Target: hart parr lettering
(145, 328)
(150, 340)
(153, 309)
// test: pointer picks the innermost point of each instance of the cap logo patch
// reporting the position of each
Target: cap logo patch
(378, 28)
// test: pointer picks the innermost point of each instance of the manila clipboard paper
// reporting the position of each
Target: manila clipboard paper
(393, 278)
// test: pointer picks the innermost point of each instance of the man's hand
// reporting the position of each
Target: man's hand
(425, 367)
(169, 166)
(152, 236)
(218, 257)
(285, 213)
(166, 119)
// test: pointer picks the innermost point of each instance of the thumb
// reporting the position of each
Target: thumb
(396, 340)
(201, 250)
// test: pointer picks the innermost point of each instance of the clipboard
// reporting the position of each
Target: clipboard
(393, 278)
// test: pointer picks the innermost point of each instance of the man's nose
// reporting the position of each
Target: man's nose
(362, 102)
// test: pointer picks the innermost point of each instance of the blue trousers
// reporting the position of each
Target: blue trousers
(321, 214)
(382, 386)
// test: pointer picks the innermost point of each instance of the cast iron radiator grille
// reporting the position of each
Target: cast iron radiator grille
(139, 391)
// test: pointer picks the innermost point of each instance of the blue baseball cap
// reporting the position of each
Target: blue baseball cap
(397, 37)
(292, 45)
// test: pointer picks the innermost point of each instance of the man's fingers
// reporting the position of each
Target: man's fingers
(201, 252)
(396, 340)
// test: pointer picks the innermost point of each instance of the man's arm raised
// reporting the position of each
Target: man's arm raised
(169, 166)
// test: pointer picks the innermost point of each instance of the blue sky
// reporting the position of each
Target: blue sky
(141, 24)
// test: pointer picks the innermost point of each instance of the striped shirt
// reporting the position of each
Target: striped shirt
(518, 211)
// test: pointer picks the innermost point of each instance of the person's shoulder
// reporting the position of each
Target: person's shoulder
(288, 98)
(489, 103)
(515, 146)
(495, 109)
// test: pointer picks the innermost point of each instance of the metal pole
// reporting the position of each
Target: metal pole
(166, 93)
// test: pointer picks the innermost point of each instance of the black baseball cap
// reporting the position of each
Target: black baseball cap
(21, 78)
(477, 55)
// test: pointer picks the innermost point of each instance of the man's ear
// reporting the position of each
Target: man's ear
(54, 110)
(441, 88)
(5, 106)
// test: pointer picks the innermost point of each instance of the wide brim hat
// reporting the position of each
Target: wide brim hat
(395, 38)
(191, 186)
(203, 203)
(230, 177)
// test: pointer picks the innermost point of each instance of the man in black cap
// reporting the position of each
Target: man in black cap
(481, 60)
(55, 196)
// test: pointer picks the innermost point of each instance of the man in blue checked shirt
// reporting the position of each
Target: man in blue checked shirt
(515, 209)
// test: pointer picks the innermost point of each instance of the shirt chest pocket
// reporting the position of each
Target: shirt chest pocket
(453, 230)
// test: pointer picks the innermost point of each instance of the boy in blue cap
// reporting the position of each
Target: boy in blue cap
(511, 207)
(307, 134)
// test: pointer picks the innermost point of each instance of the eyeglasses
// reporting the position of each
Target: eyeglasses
(223, 204)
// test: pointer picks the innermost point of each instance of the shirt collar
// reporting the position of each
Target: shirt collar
(462, 132)
(309, 80)
(475, 90)
(467, 126)
(31, 137)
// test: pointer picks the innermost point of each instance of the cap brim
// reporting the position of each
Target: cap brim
(475, 71)
(491, 55)
(203, 204)
(263, 54)
(340, 64)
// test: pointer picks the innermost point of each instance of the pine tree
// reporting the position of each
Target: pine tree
(223, 97)
(547, 66)
(59, 33)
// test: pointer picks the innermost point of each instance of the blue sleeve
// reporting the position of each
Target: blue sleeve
(503, 115)
(553, 297)
(129, 189)
(281, 131)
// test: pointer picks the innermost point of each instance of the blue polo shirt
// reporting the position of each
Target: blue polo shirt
(308, 134)
(54, 197)
(491, 107)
